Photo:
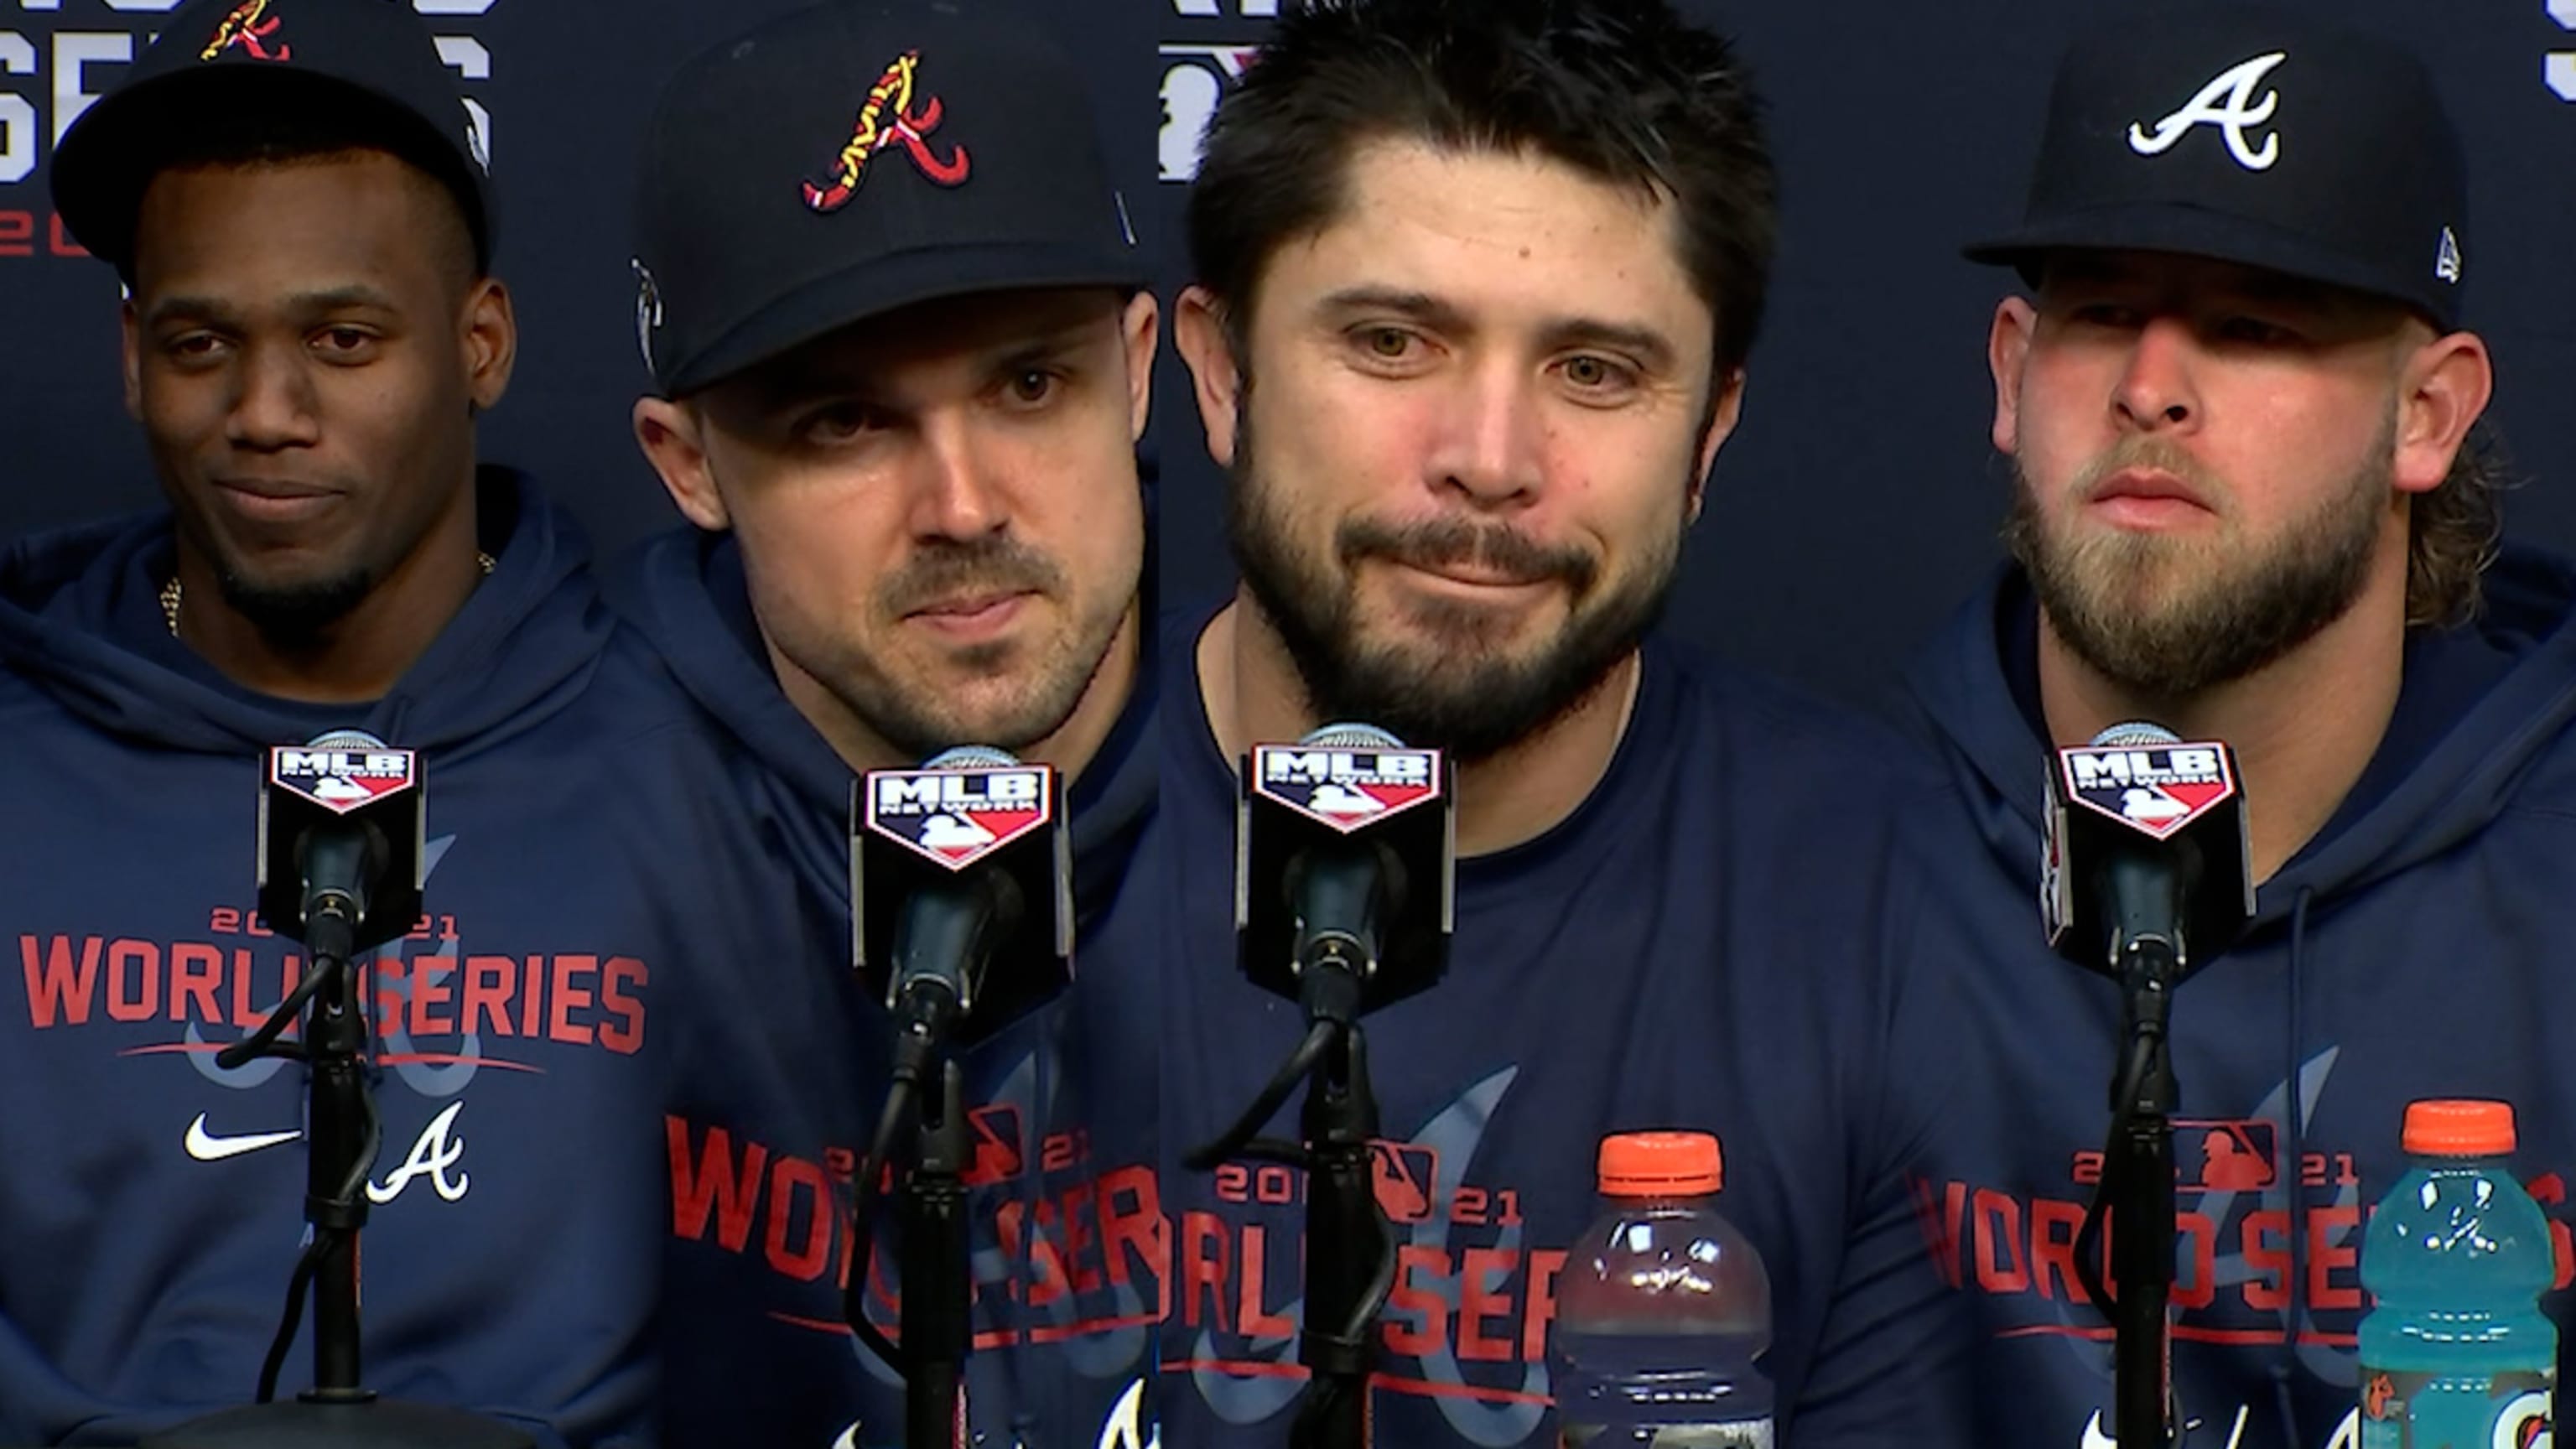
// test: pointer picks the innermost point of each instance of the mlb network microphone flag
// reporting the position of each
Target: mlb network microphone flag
(2173, 804)
(346, 780)
(1337, 794)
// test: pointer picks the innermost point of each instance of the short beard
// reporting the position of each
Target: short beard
(2246, 613)
(295, 616)
(919, 726)
(1463, 696)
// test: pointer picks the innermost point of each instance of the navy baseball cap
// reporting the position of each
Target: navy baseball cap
(366, 68)
(851, 159)
(2270, 138)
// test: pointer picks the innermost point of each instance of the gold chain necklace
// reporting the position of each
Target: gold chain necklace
(171, 593)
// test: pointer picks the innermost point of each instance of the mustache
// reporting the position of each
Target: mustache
(1450, 542)
(948, 570)
(2161, 455)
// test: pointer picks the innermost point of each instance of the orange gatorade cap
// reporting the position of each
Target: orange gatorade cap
(2459, 1128)
(1660, 1164)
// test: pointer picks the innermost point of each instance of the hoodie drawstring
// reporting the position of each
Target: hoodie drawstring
(2285, 1367)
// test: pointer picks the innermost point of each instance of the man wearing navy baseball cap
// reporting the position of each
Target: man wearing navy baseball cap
(901, 358)
(2251, 503)
(296, 198)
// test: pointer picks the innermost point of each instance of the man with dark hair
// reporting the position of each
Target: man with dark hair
(298, 207)
(1477, 286)
(901, 360)
(2250, 506)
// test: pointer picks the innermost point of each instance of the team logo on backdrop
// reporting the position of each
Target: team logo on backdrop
(2156, 789)
(1345, 788)
(958, 817)
(889, 119)
(2228, 102)
(249, 27)
(342, 780)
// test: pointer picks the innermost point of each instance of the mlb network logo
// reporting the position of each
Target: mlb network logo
(1346, 789)
(2155, 789)
(341, 780)
(957, 817)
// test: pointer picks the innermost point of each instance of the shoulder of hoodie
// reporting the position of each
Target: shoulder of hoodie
(1792, 732)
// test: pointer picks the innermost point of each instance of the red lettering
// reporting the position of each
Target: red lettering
(487, 993)
(1257, 1321)
(17, 233)
(2325, 1256)
(390, 980)
(1131, 1222)
(1204, 1265)
(63, 245)
(1233, 1182)
(2053, 1228)
(1430, 1315)
(1942, 1228)
(1468, 1206)
(1477, 1301)
(2261, 1231)
(2196, 1235)
(1073, 1221)
(1543, 1266)
(1045, 1264)
(56, 989)
(225, 922)
(194, 969)
(561, 1027)
(145, 1003)
(430, 988)
(788, 1178)
(1996, 1219)
(624, 1031)
(532, 999)
(709, 1186)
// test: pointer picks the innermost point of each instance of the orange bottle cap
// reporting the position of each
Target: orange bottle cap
(1660, 1164)
(2459, 1128)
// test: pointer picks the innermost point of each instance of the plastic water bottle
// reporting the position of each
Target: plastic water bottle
(1662, 1309)
(2458, 1352)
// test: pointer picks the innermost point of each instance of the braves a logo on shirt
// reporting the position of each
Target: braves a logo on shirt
(1345, 788)
(2229, 104)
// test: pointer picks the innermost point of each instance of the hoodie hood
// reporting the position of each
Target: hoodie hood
(2481, 703)
(80, 617)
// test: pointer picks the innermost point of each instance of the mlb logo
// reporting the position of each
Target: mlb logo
(2230, 1155)
(1407, 1178)
(2156, 790)
(1348, 789)
(958, 817)
(341, 781)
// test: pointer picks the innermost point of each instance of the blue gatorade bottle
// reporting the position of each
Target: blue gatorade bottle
(2457, 1354)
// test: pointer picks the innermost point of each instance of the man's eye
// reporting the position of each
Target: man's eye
(1388, 344)
(1033, 385)
(840, 423)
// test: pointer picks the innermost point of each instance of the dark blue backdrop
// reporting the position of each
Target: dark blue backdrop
(1854, 506)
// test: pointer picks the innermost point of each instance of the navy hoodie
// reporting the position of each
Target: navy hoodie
(153, 1201)
(2411, 950)
(783, 1081)
(1709, 942)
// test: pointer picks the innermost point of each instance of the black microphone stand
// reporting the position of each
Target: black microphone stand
(938, 1306)
(343, 1137)
(2137, 1190)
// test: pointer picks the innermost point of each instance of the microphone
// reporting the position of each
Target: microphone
(1345, 877)
(961, 887)
(340, 823)
(2146, 859)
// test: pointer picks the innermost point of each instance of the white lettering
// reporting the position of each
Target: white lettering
(74, 52)
(942, 790)
(17, 114)
(431, 1155)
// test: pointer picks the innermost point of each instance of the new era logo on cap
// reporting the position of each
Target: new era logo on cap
(887, 120)
(2446, 261)
(2228, 103)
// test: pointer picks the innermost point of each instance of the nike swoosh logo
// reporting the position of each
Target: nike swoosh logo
(206, 1147)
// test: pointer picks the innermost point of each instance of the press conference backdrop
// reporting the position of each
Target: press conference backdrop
(1853, 508)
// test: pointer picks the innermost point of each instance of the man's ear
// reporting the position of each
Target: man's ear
(2007, 346)
(1721, 425)
(1142, 326)
(2441, 392)
(1216, 381)
(491, 337)
(673, 437)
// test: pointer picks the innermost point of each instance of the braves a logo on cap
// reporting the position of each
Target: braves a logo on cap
(244, 26)
(2154, 789)
(1346, 789)
(888, 120)
(957, 817)
(2228, 103)
(342, 780)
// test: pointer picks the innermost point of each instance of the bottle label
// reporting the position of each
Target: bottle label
(2405, 1409)
(1742, 1434)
